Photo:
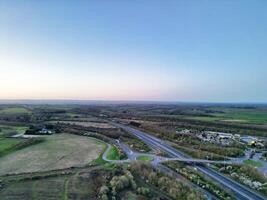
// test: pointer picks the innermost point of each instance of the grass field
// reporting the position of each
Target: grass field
(15, 110)
(257, 117)
(113, 153)
(253, 116)
(57, 152)
(144, 158)
(64, 187)
(35, 189)
(4, 129)
(252, 163)
(6, 143)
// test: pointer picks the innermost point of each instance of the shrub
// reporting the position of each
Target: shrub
(143, 191)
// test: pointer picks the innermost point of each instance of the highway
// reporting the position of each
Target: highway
(241, 192)
(199, 161)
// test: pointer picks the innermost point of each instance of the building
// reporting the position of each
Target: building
(224, 135)
(45, 131)
(184, 132)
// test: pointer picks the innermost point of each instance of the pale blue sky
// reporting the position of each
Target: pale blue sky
(134, 50)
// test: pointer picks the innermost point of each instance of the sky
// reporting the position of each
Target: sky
(192, 51)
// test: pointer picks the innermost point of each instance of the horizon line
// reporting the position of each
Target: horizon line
(88, 101)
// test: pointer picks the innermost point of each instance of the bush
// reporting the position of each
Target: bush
(199, 180)
(143, 191)
(253, 173)
(104, 190)
(119, 183)
(167, 184)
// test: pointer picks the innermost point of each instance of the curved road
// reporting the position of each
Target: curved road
(155, 162)
(104, 156)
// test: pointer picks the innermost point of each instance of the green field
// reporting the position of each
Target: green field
(56, 152)
(257, 117)
(4, 129)
(14, 110)
(204, 118)
(144, 158)
(74, 186)
(252, 163)
(113, 153)
(6, 143)
(253, 116)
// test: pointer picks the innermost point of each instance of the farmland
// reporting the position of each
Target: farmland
(57, 152)
(5, 129)
(87, 124)
(62, 187)
(235, 115)
(14, 110)
(84, 138)
(6, 143)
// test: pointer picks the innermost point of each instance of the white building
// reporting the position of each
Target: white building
(45, 131)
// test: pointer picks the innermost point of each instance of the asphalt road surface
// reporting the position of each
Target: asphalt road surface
(241, 192)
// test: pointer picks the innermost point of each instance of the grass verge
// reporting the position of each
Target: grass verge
(113, 153)
(144, 158)
(252, 163)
